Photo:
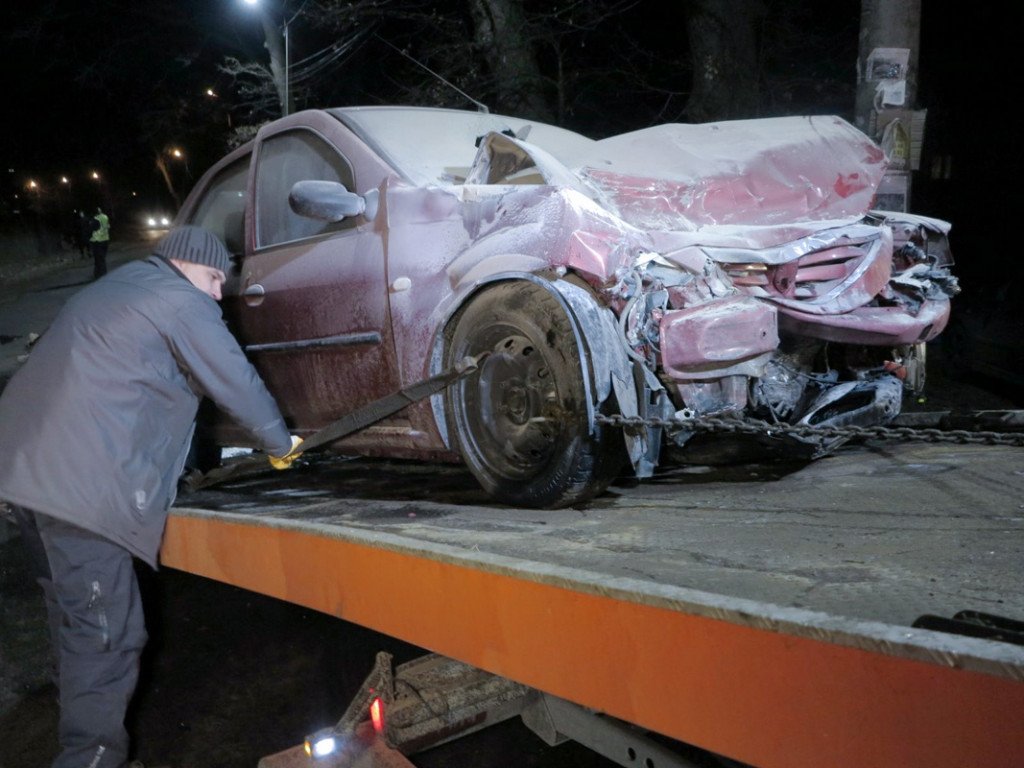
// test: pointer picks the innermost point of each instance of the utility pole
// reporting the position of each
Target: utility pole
(887, 67)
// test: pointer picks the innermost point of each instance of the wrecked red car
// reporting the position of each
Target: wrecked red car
(672, 272)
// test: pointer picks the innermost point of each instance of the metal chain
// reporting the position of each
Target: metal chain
(759, 427)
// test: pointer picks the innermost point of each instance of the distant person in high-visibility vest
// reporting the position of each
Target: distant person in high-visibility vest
(99, 241)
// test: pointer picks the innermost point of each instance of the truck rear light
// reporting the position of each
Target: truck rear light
(377, 715)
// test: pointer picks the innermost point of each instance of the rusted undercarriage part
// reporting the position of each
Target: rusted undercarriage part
(788, 395)
(864, 387)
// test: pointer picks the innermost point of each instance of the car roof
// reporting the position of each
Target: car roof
(402, 135)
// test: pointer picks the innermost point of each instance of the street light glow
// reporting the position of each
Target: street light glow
(64, 180)
(95, 175)
(32, 184)
(210, 93)
(252, 2)
(176, 152)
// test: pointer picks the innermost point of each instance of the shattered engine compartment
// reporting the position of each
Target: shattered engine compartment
(758, 280)
(826, 332)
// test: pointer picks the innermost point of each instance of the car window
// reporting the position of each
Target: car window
(284, 160)
(222, 208)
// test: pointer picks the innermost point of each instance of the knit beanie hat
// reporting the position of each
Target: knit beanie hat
(195, 244)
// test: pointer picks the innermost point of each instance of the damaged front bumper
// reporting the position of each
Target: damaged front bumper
(816, 332)
(874, 326)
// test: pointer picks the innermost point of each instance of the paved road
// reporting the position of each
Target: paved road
(29, 307)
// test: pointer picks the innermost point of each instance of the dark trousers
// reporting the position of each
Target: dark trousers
(99, 257)
(101, 636)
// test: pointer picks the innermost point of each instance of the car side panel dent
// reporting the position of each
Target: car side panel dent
(500, 158)
(559, 226)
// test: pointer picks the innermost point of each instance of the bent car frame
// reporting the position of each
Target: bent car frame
(676, 271)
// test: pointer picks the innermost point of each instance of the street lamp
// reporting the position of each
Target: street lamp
(171, 151)
(178, 154)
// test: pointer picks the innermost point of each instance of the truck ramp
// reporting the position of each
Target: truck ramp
(760, 611)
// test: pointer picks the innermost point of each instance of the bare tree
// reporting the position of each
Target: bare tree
(165, 173)
(255, 87)
(724, 50)
(503, 38)
(278, 67)
(524, 57)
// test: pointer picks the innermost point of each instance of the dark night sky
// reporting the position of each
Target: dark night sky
(83, 76)
(86, 74)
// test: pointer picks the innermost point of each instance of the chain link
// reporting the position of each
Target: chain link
(758, 427)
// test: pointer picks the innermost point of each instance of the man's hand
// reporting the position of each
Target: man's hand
(285, 462)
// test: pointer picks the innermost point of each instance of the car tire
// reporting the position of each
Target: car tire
(520, 421)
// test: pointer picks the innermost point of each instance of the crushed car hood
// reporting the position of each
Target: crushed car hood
(791, 173)
(750, 172)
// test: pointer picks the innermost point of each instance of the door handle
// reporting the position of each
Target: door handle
(253, 294)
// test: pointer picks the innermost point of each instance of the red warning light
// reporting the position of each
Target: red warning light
(377, 715)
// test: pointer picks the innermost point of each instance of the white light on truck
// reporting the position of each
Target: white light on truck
(322, 743)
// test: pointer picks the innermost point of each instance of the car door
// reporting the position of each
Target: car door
(312, 310)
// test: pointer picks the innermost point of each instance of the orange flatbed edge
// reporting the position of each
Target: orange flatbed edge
(766, 619)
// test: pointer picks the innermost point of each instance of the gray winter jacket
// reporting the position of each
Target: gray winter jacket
(96, 425)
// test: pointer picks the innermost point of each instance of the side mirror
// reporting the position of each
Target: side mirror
(330, 201)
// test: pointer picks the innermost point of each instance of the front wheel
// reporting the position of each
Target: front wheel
(520, 422)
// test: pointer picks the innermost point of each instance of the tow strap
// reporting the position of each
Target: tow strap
(349, 423)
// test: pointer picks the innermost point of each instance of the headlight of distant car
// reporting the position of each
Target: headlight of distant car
(158, 222)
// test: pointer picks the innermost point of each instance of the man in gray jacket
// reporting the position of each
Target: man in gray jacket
(94, 431)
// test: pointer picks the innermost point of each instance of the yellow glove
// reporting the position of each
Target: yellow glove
(285, 462)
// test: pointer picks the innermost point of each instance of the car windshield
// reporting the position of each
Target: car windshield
(437, 146)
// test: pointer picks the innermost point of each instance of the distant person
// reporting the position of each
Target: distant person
(82, 231)
(94, 430)
(99, 241)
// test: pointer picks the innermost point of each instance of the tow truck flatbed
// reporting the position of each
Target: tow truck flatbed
(756, 612)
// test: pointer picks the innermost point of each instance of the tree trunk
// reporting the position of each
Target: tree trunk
(161, 165)
(723, 45)
(502, 38)
(274, 43)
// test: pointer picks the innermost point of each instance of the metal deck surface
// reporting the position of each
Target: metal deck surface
(790, 588)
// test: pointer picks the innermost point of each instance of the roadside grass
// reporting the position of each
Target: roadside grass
(25, 255)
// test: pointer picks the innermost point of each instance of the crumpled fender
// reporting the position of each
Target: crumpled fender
(607, 367)
(634, 385)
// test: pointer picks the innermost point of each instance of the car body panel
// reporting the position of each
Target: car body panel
(688, 257)
(751, 173)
